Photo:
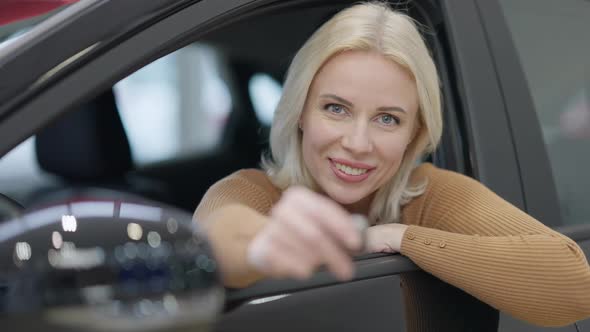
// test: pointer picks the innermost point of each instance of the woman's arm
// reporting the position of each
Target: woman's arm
(231, 213)
(301, 232)
(466, 235)
(230, 230)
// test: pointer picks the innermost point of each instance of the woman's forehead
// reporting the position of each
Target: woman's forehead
(365, 76)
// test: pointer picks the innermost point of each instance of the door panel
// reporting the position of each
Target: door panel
(584, 326)
(412, 301)
(367, 305)
(510, 324)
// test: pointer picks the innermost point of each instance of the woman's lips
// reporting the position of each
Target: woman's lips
(349, 163)
(349, 177)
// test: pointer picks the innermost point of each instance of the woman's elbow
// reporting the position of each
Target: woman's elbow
(572, 307)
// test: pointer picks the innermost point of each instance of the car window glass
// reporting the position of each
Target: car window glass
(265, 93)
(551, 38)
(19, 170)
(176, 105)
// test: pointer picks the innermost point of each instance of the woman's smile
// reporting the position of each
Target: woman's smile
(349, 171)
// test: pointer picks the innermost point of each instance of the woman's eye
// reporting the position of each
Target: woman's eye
(335, 108)
(388, 119)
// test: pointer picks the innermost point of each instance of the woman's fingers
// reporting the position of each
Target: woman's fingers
(286, 263)
(306, 260)
(331, 217)
(301, 237)
(269, 254)
(307, 230)
(313, 243)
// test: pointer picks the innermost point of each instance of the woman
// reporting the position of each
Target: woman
(361, 105)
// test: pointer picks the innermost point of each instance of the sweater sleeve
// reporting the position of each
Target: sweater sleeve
(469, 237)
(232, 212)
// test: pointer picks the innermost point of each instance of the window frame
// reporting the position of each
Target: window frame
(539, 189)
(481, 112)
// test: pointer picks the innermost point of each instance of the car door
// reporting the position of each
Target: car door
(541, 51)
(475, 142)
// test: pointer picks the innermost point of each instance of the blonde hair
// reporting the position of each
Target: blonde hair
(370, 27)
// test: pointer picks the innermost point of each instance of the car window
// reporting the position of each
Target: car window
(551, 39)
(176, 105)
(20, 171)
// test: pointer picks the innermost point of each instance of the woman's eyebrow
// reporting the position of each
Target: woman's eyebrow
(391, 109)
(339, 99)
(351, 105)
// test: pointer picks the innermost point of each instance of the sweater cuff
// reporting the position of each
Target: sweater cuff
(421, 238)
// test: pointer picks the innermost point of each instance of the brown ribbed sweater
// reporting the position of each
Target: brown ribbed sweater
(459, 231)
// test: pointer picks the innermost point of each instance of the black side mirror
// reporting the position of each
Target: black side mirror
(106, 265)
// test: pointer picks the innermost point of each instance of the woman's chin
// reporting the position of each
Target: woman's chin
(343, 199)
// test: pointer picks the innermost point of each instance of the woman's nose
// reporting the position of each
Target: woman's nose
(357, 139)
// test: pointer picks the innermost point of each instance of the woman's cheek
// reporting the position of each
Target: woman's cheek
(326, 131)
(391, 148)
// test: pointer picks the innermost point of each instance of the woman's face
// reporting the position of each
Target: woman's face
(357, 122)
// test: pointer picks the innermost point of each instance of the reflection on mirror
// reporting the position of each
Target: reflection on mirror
(107, 265)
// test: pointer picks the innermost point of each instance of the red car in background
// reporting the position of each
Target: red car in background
(16, 10)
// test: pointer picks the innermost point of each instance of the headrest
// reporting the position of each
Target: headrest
(86, 143)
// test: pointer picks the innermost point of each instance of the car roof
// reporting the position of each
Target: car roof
(65, 35)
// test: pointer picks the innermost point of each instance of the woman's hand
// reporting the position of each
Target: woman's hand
(306, 230)
(386, 238)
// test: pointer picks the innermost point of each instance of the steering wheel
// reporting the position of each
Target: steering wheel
(9, 208)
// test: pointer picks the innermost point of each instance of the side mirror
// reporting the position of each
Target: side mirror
(106, 265)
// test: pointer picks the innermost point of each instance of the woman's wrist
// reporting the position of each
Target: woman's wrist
(385, 238)
(397, 236)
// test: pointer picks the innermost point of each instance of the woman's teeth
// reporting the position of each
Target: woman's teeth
(350, 170)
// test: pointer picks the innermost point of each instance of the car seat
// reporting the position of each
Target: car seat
(87, 148)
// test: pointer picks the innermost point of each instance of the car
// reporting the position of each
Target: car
(158, 100)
